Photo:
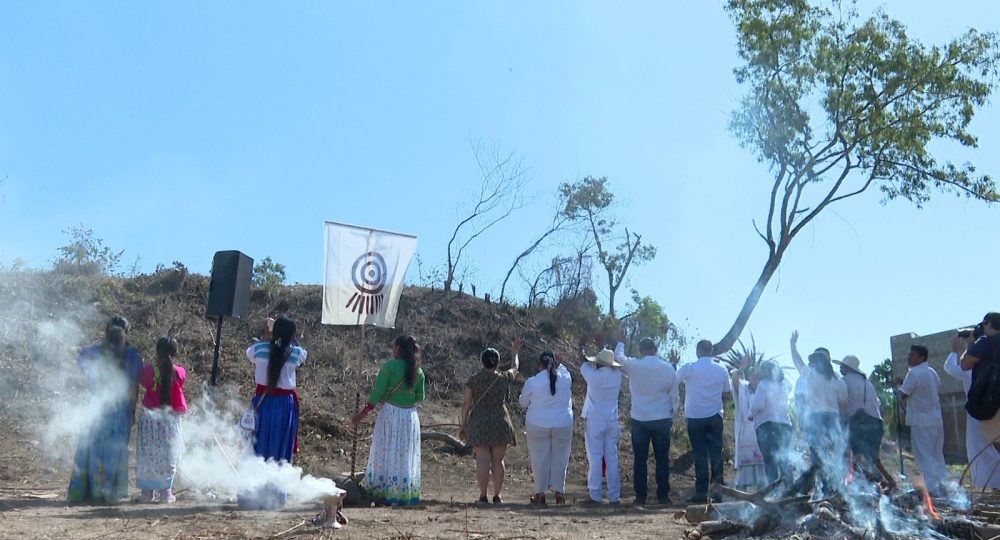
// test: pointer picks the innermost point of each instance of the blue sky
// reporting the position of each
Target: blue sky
(175, 129)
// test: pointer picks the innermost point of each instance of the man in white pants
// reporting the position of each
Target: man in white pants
(919, 395)
(983, 458)
(600, 411)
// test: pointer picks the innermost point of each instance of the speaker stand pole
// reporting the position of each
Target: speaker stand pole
(357, 403)
(215, 356)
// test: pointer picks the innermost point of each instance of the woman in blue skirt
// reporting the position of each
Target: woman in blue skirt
(277, 404)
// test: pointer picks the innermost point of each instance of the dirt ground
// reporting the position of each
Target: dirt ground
(48, 315)
(32, 505)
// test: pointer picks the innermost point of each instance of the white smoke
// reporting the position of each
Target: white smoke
(218, 461)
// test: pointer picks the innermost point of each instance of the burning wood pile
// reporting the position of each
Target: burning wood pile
(859, 509)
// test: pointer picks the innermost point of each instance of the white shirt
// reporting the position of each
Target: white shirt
(603, 386)
(705, 382)
(653, 384)
(260, 352)
(923, 406)
(861, 395)
(769, 403)
(953, 368)
(544, 409)
(819, 394)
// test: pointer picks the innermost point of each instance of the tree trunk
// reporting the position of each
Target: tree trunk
(730, 338)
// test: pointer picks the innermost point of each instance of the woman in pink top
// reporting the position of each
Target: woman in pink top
(159, 443)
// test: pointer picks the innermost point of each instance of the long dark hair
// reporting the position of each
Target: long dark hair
(166, 350)
(547, 360)
(281, 340)
(409, 350)
(115, 342)
(821, 363)
(771, 371)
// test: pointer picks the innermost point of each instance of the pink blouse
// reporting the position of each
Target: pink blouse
(147, 379)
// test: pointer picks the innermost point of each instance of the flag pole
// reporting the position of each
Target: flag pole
(357, 403)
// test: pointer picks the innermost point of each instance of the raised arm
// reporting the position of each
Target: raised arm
(951, 365)
(515, 349)
(796, 357)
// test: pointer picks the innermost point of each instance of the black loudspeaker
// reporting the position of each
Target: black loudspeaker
(229, 288)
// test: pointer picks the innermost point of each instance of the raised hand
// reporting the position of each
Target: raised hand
(795, 338)
(674, 356)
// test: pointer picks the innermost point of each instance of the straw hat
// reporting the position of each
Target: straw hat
(604, 358)
(851, 362)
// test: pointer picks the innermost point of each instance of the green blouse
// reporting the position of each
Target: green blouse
(388, 377)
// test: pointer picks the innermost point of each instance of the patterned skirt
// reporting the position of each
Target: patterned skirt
(100, 466)
(393, 473)
(158, 447)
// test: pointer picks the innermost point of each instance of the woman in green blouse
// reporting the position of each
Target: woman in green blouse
(393, 473)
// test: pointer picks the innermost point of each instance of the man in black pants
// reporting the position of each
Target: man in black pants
(708, 385)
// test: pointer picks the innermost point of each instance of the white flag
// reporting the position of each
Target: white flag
(364, 274)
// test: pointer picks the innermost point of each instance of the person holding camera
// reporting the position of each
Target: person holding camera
(983, 457)
(983, 359)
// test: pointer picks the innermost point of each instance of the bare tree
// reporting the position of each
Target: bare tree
(560, 221)
(503, 177)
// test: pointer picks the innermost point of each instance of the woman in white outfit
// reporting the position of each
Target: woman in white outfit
(748, 458)
(600, 411)
(549, 423)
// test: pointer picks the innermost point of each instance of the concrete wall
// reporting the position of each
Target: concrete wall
(952, 392)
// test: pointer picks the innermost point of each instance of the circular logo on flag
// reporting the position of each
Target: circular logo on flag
(368, 274)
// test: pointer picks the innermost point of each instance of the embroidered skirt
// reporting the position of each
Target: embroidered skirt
(393, 473)
(158, 447)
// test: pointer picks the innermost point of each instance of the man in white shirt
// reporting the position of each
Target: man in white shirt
(919, 395)
(653, 385)
(707, 385)
(600, 412)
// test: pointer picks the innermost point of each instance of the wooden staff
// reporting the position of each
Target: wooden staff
(357, 403)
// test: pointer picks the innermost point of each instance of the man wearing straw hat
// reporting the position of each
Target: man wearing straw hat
(600, 412)
(653, 385)
(864, 419)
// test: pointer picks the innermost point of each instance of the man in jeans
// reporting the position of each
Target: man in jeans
(707, 384)
(653, 384)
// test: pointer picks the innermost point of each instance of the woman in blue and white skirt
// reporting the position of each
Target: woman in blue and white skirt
(277, 404)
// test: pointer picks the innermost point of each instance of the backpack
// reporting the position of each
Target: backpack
(984, 394)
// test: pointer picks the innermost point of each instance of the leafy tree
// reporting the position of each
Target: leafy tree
(590, 201)
(86, 254)
(881, 378)
(649, 319)
(837, 105)
(268, 275)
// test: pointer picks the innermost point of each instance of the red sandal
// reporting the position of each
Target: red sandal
(560, 498)
(538, 499)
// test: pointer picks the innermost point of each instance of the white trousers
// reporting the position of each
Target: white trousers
(549, 450)
(602, 448)
(928, 449)
(982, 456)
